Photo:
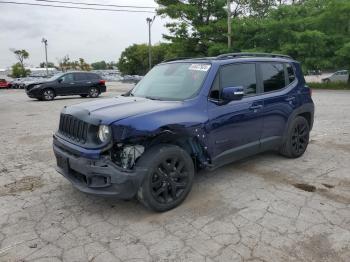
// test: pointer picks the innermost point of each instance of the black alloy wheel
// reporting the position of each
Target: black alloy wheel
(48, 94)
(169, 180)
(300, 138)
(297, 138)
(94, 92)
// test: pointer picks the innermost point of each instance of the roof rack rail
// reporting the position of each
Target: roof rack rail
(233, 55)
(176, 58)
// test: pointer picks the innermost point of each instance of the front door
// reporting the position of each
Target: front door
(66, 85)
(235, 128)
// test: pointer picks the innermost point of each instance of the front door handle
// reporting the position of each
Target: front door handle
(255, 107)
(71, 83)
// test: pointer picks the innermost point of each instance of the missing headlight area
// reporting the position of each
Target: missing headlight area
(125, 156)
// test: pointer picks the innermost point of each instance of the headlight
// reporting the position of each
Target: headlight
(104, 133)
(36, 86)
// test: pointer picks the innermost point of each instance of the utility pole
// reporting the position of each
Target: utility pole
(45, 43)
(149, 22)
(229, 24)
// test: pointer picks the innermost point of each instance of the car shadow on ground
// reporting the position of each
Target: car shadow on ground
(203, 198)
(68, 98)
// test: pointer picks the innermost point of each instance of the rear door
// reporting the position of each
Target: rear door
(280, 99)
(235, 127)
(82, 83)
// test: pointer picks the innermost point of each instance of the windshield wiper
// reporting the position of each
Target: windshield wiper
(152, 98)
(127, 94)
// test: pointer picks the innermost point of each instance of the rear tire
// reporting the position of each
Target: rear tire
(48, 94)
(169, 177)
(94, 92)
(297, 138)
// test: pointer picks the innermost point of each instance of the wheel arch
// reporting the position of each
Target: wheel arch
(306, 111)
(181, 137)
(188, 143)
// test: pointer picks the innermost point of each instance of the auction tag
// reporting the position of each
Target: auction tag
(199, 67)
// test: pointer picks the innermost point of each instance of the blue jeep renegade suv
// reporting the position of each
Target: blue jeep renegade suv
(185, 115)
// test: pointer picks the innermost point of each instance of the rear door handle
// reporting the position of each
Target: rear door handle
(255, 107)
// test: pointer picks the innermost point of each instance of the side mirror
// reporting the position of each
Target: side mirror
(232, 93)
(59, 80)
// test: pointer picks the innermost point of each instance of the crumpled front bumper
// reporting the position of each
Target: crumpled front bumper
(96, 176)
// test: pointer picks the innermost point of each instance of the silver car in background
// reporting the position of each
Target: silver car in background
(339, 76)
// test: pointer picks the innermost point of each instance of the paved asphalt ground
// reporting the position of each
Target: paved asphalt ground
(259, 209)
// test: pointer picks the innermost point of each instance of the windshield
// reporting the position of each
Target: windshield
(175, 81)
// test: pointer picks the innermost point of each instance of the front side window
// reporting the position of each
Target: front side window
(273, 76)
(174, 81)
(239, 75)
(68, 78)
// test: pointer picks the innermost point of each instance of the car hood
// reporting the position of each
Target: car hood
(31, 84)
(107, 111)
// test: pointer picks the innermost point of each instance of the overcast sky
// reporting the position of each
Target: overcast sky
(92, 35)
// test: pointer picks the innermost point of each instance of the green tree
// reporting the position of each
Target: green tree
(21, 55)
(315, 32)
(102, 65)
(17, 71)
(83, 65)
(134, 59)
(49, 64)
(194, 25)
(343, 55)
(64, 63)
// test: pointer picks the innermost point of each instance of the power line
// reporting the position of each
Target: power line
(81, 8)
(91, 4)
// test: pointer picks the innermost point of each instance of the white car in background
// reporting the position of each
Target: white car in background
(339, 76)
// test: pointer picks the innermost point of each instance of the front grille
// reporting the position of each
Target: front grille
(73, 128)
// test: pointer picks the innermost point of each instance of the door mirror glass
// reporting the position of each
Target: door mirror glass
(232, 93)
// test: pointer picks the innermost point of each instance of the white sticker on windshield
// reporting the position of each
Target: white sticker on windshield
(199, 67)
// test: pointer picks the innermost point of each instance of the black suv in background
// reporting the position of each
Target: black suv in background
(70, 83)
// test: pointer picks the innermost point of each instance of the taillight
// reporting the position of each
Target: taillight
(102, 82)
(310, 90)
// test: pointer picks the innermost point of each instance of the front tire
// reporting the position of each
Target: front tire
(169, 177)
(297, 138)
(48, 95)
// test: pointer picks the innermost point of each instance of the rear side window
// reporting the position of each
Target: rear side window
(290, 72)
(94, 77)
(239, 75)
(273, 76)
(80, 77)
